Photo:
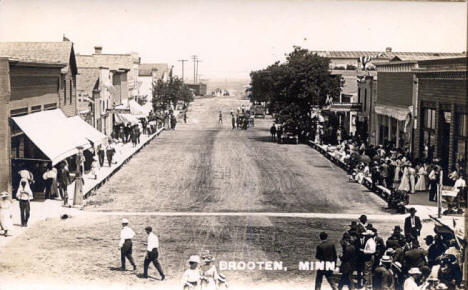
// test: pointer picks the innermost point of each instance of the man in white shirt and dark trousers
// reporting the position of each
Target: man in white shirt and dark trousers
(152, 254)
(125, 245)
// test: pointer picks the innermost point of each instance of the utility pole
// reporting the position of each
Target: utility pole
(198, 76)
(182, 61)
(195, 62)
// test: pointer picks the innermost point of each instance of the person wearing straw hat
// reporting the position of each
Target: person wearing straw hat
(125, 244)
(383, 275)
(209, 272)
(24, 195)
(410, 282)
(5, 213)
(152, 254)
(192, 276)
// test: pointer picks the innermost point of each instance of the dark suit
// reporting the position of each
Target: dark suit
(326, 252)
(348, 265)
(413, 231)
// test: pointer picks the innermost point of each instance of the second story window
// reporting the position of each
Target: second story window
(71, 92)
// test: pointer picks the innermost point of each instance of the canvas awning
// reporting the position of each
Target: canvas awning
(398, 113)
(89, 132)
(51, 132)
(125, 119)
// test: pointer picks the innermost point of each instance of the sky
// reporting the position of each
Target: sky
(234, 37)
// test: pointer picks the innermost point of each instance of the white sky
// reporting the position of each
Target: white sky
(234, 37)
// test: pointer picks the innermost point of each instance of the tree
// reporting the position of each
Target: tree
(292, 88)
(167, 94)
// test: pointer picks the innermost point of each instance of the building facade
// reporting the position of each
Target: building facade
(50, 52)
(25, 87)
(441, 111)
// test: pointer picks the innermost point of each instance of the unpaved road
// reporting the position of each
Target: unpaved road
(200, 167)
(204, 166)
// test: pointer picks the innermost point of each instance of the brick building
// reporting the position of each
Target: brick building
(367, 90)
(50, 52)
(441, 111)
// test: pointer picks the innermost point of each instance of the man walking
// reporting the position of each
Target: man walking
(125, 245)
(24, 195)
(220, 118)
(326, 252)
(273, 132)
(152, 254)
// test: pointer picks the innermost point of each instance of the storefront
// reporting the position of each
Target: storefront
(442, 107)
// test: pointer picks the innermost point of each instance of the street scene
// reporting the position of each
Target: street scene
(137, 163)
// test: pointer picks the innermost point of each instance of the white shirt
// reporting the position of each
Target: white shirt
(370, 246)
(153, 242)
(459, 183)
(125, 234)
(24, 193)
(191, 276)
(25, 174)
(410, 284)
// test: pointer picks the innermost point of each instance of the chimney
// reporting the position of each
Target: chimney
(97, 49)
(388, 49)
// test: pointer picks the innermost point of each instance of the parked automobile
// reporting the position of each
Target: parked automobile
(290, 136)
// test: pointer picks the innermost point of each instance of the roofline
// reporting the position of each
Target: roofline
(26, 63)
(396, 62)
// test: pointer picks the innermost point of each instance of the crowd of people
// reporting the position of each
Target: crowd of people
(241, 118)
(394, 169)
(396, 263)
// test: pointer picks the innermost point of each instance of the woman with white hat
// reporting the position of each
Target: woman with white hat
(192, 276)
(210, 274)
(5, 213)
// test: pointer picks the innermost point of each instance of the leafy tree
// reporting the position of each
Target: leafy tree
(292, 88)
(167, 94)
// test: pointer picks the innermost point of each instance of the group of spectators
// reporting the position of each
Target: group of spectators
(397, 263)
(394, 169)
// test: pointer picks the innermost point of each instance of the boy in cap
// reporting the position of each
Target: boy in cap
(125, 245)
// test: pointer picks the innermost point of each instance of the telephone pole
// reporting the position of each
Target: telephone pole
(182, 61)
(195, 63)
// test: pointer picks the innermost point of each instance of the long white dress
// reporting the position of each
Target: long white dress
(211, 276)
(405, 182)
(421, 184)
(412, 178)
(5, 214)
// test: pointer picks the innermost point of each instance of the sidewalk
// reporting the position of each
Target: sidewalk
(46, 209)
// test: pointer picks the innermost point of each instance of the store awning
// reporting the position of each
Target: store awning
(125, 119)
(345, 107)
(398, 113)
(89, 132)
(51, 132)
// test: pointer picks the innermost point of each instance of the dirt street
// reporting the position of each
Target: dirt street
(202, 166)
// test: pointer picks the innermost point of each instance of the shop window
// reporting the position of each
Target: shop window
(50, 106)
(19, 112)
(429, 119)
(35, 109)
(462, 125)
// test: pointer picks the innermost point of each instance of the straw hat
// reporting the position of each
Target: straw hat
(124, 221)
(414, 271)
(194, 259)
(385, 259)
(4, 194)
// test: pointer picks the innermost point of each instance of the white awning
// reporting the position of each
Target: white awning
(86, 130)
(51, 132)
(137, 109)
(398, 113)
(125, 119)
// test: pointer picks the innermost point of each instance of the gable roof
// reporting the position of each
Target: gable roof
(111, 61)
(145, 69)
(49, 52)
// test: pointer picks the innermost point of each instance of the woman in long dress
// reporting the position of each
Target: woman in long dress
(412, 177)
(421, 184)
(79, 182)
(210, 275)
(405, 182)
(396, 177)
(5, 213)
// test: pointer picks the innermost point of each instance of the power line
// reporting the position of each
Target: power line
(182, 61)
